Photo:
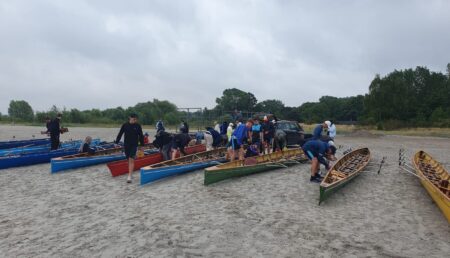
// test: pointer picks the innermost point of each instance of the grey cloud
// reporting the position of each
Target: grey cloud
(99, 54)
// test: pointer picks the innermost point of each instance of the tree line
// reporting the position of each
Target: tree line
(405, 98)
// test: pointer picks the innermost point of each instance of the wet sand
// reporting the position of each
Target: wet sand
(87, 213)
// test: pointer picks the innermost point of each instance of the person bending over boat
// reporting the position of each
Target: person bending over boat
(133, 136)
(86, 146)
(163, 141)
(180, 141)
(217, 139)
(240, 135)
(55, 132)
(318, 152)
(280, 140)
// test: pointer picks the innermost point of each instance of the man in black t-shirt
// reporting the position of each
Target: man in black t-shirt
(133, 136)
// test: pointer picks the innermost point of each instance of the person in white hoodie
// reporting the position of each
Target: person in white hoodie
(331, 129)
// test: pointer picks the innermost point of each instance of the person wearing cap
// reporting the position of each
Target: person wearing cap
(317, 133)
(319, 152)
(54, 128)
(133, 136)
(331, 130)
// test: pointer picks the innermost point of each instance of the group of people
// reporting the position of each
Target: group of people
(252, 138)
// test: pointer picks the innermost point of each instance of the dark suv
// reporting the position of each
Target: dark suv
(294, 132)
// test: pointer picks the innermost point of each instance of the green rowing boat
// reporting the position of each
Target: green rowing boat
(343, 171)
(252, 165)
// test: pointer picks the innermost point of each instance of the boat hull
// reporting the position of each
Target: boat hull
(121, 167)
(118, 168)
(32, 159)
(266, 162)
(20, 143)
(151, 175)
(58, 165)
(325, 192)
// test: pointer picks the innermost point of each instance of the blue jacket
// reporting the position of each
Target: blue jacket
(317, 133)
(240, 133)
(318, 149)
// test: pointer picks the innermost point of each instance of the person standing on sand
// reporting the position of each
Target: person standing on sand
(318, 152)
(331, 130)
(133, 136)
(238, 138)
(179, 141)
(55, 132)
(317, 133)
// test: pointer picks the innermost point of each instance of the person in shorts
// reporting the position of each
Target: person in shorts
(133, 136)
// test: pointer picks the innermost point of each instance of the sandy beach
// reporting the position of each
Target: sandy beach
(87, 213)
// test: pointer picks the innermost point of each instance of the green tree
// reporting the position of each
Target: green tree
(20, 109)
(272, 106)
(235, 99)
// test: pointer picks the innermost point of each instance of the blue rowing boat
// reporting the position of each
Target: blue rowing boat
(84, 159)
(19, 143)
(35, 158)
(44, 148)
(182, 165)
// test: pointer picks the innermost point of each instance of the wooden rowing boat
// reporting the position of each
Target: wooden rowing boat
(182, 165)
(19, 160)
(120, 167)
(435, 178)
(252, 165)
(343, 171)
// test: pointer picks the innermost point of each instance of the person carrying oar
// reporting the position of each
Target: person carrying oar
(319, 152)
(133, 136)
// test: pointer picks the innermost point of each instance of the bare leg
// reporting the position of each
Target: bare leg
(241, 153)
(130, 168)
(174, 153)
(314, 165)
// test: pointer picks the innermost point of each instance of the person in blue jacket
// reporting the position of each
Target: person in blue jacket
(239, 137)
(317, 133)
(319, 152)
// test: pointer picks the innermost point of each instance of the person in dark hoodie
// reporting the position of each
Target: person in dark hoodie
(163, 141)
(133, 136)
(179, 141)
(54, 128)
(217, 139)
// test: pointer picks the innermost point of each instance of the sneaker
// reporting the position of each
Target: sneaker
(129, 180)
(318, 175)
(315, 179)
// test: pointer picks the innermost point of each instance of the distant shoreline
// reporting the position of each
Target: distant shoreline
(341, 129)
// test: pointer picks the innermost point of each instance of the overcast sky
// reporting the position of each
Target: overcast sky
(100, 54)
